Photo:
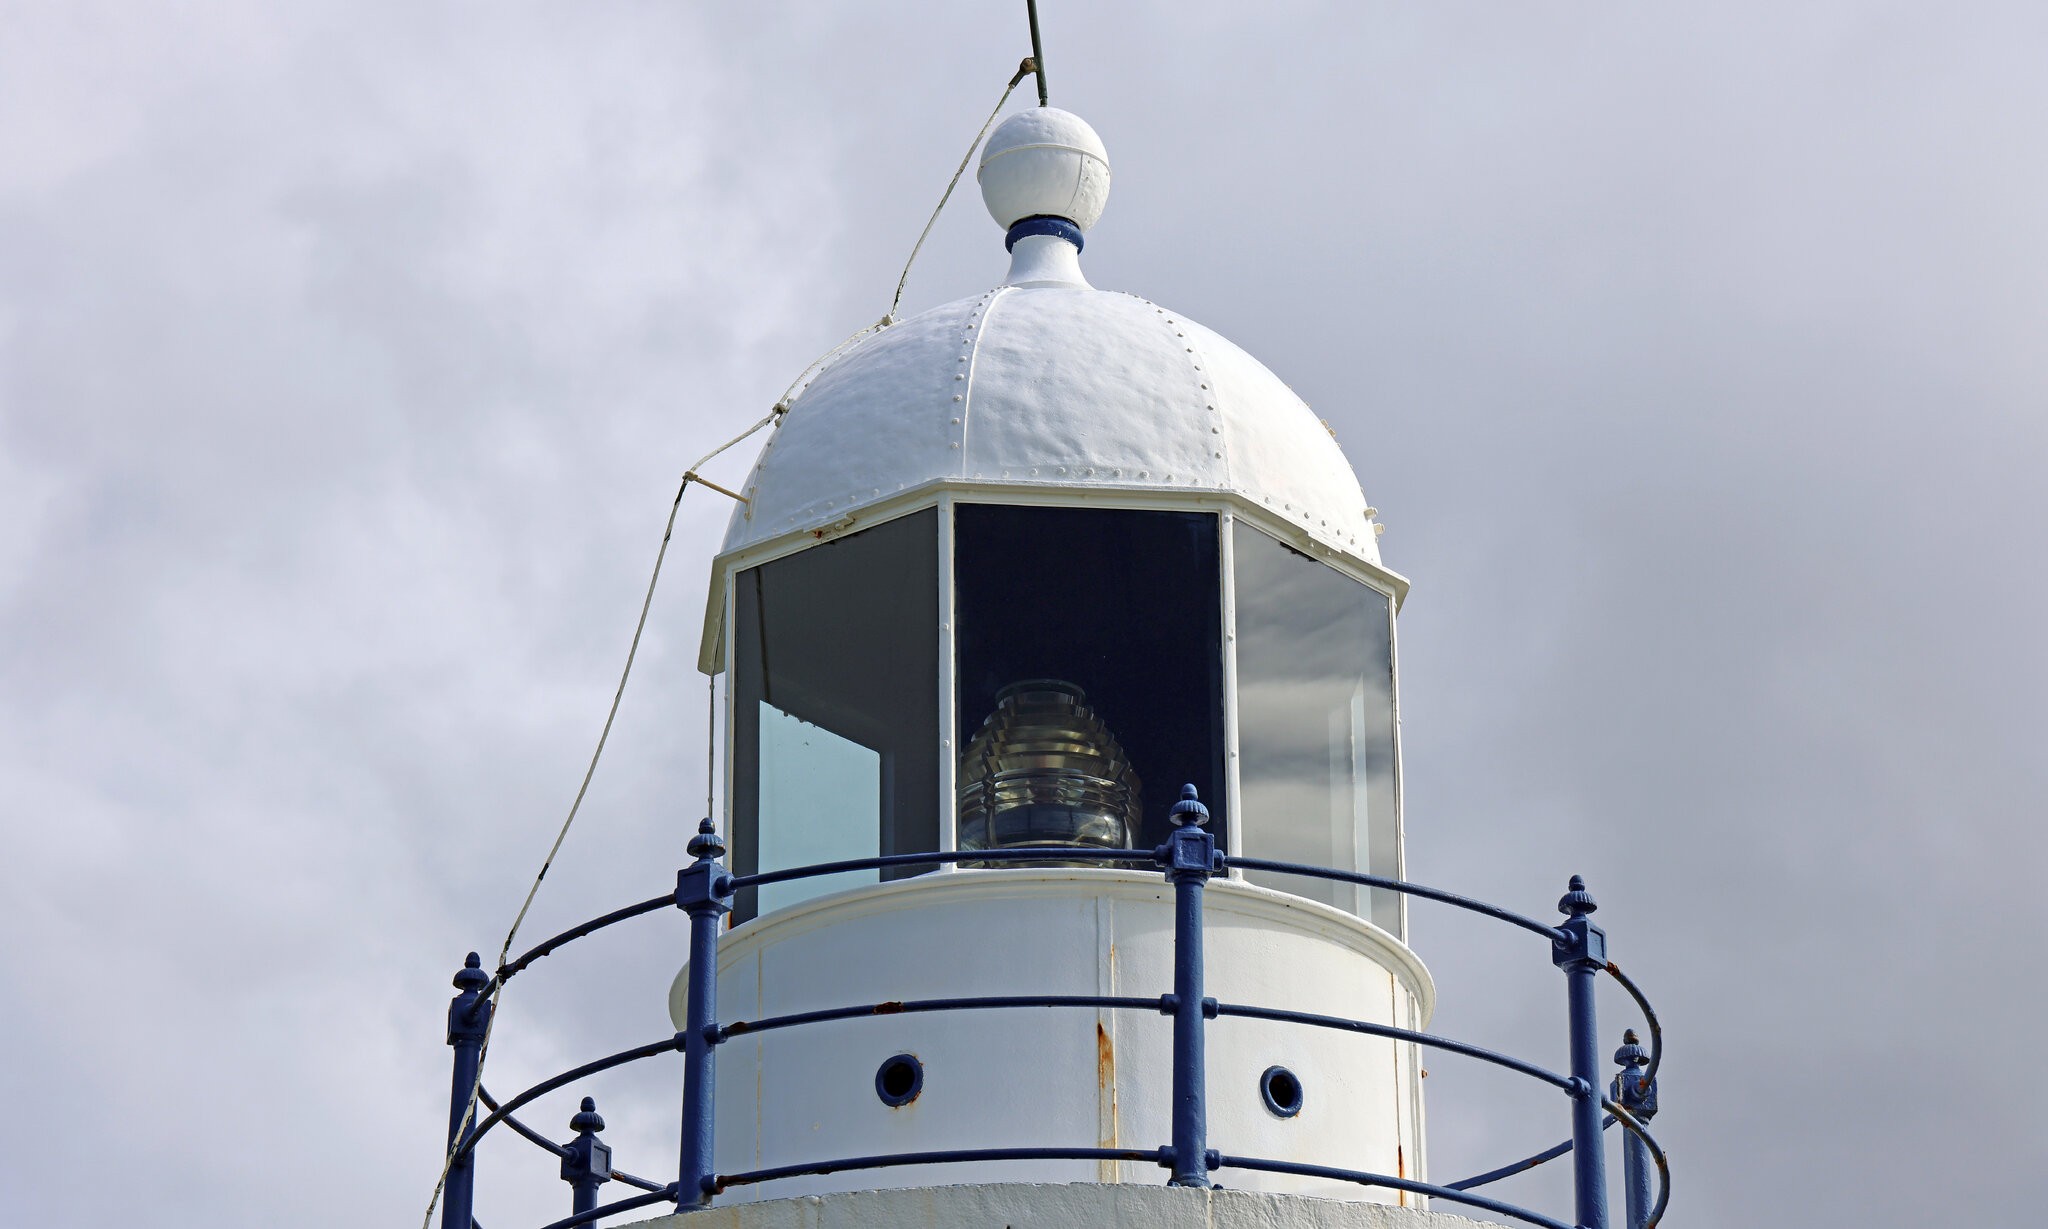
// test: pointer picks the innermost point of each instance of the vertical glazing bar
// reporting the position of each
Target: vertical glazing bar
(1233, 784)
(1638, 1097)
(469, 1017)
(701, 892)
(1581, 951)
(949, 720)
(1190, 860)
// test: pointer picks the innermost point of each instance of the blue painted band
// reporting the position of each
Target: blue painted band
(1043, 224)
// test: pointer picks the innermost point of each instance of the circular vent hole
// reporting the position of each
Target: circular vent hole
(1281, 1090)
(898, 1080)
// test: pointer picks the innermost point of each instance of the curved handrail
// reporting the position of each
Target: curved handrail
(724, 884)
(606, 1063)
(938, 857)
(528, 1133)
(953, 1156)
(901, 1007)
(1402, 886)
(1649, 1018)
(666, 1194)
(1642, 1132)
(1343, 1024)
(519, 1128)
(1368, 1178)
(506, 972)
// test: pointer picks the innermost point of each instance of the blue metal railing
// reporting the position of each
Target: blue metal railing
(1188, 860)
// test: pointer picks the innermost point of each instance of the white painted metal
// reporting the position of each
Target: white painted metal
(1044, 162)
(1038, 1077)
(1018, 1205)
(1046, 260)
(1055, 387)
(1233, 793)
(949, 759)
(711, 651)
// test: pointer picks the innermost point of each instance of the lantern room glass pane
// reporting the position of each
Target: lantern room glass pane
(1315, 721)
(1089, 642)
(835, 736)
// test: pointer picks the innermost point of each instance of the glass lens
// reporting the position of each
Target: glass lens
(1124, 609)
(1044, 770)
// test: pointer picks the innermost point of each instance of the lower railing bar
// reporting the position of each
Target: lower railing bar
(1531, 1070)
(606, 1063)
(1044, 853)
(1649, 1018)
(740, 1028)
(1394, 885)
(620, 1175)
(645, 1184)
(1637, 1129)
(527, 1132)
(1522, 1166)
(1364, 1178)
(957, 1156)
(666, 900)
(666, 1194)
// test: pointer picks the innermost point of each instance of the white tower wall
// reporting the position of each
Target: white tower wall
(1023, 1206)
(1062, 1076)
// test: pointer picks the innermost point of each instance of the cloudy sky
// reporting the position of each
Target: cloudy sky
(350, 352)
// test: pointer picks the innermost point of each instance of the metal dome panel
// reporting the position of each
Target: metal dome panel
(1052, 386)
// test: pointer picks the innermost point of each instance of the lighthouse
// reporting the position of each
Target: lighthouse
(1060, 876)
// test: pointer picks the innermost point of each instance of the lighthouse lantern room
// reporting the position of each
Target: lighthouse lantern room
(1009, 574)
(1062, 838)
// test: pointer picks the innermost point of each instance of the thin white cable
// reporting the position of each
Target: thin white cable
(1028, 67)
(618, 694)
(646, 603)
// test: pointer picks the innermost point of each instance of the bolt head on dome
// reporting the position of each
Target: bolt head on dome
(1044, 162)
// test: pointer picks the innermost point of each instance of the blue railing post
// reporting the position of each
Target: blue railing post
(588, 1163)
(1639, 1097)
(469, 1018)
(1190, 856)
(1581, 951)
(701, 891)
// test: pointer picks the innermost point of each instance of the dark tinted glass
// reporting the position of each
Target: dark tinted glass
(1123, 605)
(1315, 724)
(835, 707)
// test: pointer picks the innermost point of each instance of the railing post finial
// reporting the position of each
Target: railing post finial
(469, 1019)
(704, 891)
(1639, 1097)
(1190, 858)
(587, 1164)
(1580, 950)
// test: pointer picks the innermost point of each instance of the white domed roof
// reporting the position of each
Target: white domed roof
(1058, 386)
(1046, 382)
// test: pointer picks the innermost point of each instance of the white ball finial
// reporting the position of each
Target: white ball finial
(1044, 162)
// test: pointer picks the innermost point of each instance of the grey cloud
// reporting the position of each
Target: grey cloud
(349, 355)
